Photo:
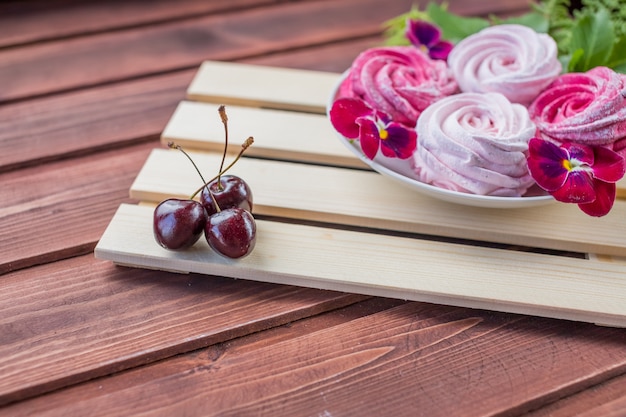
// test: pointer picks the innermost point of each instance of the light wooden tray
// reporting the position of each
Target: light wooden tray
(326, 221)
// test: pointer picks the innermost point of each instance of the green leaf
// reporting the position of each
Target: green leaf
(574, 61)
(534, 20)
(617, 60)
(454, 27)
(594, 34)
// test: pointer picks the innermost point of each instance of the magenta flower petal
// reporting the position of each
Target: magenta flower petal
(545, 163)
(605, 196)
(582, 153)
(421, 33)
(369, 136)
(587, 173)
(609, 166)
(440, 50)
(344, 113)
(578, 188)
(401, 141)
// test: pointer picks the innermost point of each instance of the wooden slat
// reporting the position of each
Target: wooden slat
(367, 199)
(277, 134)
(59, 329)
(389, 266)
(391, 362)
(260, 86)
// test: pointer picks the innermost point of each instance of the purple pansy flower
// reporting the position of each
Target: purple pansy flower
(355, 119)
(575, 173)
(427, 37)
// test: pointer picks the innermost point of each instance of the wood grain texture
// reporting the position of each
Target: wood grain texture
(88, 121)
(59, 210)
(435, 360)
(278, 134)
(595, 401)
(403, 268)
(95, 119)
(85, 392)
(261, 86)
(85, 318)
(334, 57)
(404, 354)
(38, 21)
(109, 57)
(362, 198)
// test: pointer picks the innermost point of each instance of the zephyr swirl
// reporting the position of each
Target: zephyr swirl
(589, 108)
(510, 59)
(400, 81)
(475, 143)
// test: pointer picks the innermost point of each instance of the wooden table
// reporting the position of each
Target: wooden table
(87, 88)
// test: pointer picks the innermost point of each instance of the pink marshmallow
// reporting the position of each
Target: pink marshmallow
(400, 81)
(475, 143)
(513, 60)
(589, 108)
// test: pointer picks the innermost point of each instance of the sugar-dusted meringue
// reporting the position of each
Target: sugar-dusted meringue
(510, 59)
(475, 143)
(400, 81)
(588, 108)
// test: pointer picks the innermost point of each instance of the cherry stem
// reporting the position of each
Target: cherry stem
(217, 206)
(224, 117)
(173, 145)
(244, 146)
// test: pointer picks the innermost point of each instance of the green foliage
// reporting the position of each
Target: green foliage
(595, 41)
(616, 9)
(534, 20)
(590, 37)
(559, 21)
(454, 27)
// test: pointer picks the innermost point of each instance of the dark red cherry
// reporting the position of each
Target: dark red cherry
(231, 232)
(178, 224)
(234, 192)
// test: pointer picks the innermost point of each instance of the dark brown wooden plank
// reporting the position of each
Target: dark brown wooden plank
(615, 408)
(103, 58)
(56, 401)
(109, 57)
(595, 401)
(38, 131)
(336, 57)
(73, 320)
(59, 210)
(414, 359)
(35, 21)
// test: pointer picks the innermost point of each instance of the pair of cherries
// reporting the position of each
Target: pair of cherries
(223, 214)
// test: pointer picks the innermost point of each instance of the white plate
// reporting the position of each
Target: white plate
(400, 170)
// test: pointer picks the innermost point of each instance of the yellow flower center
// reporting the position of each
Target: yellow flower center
(567, 164)
(383, 134)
